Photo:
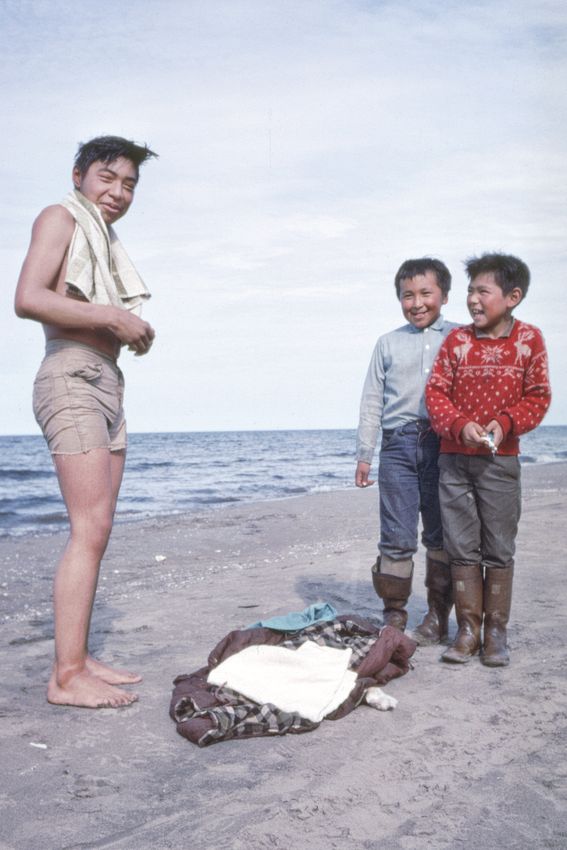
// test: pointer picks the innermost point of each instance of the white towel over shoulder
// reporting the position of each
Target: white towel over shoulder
(312, 680)
(97, 265)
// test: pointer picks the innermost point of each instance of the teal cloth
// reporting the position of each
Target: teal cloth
(320, 612)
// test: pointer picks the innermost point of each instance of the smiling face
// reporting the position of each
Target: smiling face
(109, 186)
(491, 308)
(421, 298)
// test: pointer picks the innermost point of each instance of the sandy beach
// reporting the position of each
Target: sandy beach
(471, 758)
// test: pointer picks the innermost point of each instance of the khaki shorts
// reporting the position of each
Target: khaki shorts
(77, 399)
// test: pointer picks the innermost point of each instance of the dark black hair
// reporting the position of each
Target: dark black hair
(411, 268)
(509, 272)
(108, 149)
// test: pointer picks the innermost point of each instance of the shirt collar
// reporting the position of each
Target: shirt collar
(480, 335)
(437, 325)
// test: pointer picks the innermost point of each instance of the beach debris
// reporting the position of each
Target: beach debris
(380, 700)
(39, 746)
(160, 558)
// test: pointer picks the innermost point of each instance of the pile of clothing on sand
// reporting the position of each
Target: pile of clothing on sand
(286, 675)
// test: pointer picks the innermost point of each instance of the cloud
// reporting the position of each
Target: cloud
(306, 149)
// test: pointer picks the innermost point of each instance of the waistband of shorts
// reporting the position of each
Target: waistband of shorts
(52, 346)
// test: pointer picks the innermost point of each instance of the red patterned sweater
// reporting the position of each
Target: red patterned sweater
(478, 379)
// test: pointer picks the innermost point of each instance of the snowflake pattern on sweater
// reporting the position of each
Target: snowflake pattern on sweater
(477, 379)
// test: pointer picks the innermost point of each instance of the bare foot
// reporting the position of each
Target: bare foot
(109, 674)
(87, 691)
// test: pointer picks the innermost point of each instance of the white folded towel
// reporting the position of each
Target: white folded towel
(312, 680)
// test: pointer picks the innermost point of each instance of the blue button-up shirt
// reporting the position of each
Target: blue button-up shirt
(394, 389)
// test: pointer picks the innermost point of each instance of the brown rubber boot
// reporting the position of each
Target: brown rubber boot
(435, 625)
(497, 602)
(467, 593)
(394, 592)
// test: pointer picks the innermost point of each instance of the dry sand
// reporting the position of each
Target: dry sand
(471, 758)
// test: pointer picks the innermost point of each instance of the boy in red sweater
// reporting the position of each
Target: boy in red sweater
(489, 384)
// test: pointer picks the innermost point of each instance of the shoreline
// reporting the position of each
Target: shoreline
(470, 757)
(213, 506)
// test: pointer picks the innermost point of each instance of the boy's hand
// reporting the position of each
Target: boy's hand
(473, 435)
(362, 473)
(497, 433)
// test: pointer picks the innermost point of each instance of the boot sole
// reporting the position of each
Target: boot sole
(494, 662)
(421, 640)
(461, 659)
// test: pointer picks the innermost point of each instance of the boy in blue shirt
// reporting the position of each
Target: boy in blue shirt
(393, 402)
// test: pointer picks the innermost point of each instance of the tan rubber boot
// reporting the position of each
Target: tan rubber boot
(435, 625)
(497, 602)
(468, 596)
(394, 592)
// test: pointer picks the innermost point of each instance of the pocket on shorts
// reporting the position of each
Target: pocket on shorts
(88, 372)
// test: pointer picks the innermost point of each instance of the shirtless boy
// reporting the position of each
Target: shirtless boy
(78, 282)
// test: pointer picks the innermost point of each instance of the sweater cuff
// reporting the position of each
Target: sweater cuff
(456, 428)
(506, 423)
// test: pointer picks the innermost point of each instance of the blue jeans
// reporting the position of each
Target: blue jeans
(408, 478)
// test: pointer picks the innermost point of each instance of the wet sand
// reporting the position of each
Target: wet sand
(471, 758)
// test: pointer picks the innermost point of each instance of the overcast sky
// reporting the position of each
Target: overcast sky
(306, 149)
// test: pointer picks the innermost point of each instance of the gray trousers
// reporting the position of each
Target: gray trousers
(480, 501)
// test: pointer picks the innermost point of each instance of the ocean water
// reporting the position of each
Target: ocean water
(178, 473)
